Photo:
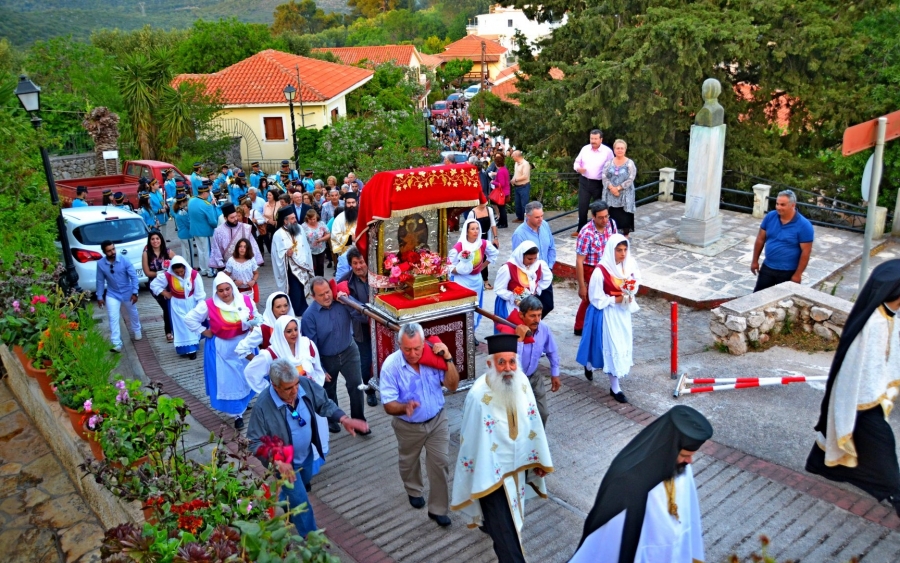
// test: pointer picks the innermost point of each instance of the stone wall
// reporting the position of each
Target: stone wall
(753, 318)
(74, 166)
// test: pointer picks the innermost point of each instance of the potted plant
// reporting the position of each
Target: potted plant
(24, 281)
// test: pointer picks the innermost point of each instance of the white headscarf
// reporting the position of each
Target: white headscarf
(237, 304)
(518, 260)
(626, 269)
(300, 355)
(268, 317)
(464, 242)
(186, 280)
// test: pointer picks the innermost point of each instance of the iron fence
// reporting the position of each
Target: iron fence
(76, 142)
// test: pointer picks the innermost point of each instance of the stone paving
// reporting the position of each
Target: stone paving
(670, 269)
(750, 478)
(42, 518)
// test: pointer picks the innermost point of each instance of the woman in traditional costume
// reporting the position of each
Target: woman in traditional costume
(230, 316)
(607, 341)
(469, 256)
(260, 337)
(854, 442)
(523, 274)
(183, 289)
(288, 344)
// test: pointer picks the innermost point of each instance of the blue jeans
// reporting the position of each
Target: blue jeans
(305, 522)
(522, 194)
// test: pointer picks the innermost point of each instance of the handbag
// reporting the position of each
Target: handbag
(497, 196)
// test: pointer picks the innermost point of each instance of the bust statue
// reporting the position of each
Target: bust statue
(712, 113)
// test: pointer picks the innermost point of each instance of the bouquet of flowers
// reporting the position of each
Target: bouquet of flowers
(521, 293)
(629, 291)
(404, 268)
(466, 263)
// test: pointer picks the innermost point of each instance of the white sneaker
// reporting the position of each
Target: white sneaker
(138, 336)
(116, 349)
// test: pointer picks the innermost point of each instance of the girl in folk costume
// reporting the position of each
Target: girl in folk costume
(231, 316)
(607, 341)
(469, 256)
(183, 289)
(523, 274)
(288, 344)
(277, 305)
(854, 442)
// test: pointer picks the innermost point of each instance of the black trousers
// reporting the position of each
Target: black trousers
(769, 277)
(347, 364)
(167, 312)
(319, 263)
(498, 523)
(546, 298)
(588, 191)
(297, 294)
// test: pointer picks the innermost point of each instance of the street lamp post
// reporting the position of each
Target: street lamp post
(426, 114)
(29, 95)
(290, 93)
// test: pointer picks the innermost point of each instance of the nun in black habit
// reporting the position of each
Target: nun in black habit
(854, 442)
(647, 509)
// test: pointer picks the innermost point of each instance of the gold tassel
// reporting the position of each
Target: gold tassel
(513, 421)
(670, 496)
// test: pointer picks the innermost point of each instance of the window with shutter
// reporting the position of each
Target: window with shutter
(274, 128)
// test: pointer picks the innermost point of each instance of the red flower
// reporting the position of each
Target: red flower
(190, 523)
(411, 257)
(405, 266)
(519, 290)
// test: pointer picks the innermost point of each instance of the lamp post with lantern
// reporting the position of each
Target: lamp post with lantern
(290, 93)
(426, 114)
(29, 95)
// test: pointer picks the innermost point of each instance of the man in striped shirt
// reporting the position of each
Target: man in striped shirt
(589, 249)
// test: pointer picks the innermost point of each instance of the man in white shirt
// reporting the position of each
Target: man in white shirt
(590, 163)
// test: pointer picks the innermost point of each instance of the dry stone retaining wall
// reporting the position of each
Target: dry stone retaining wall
(753, 318)
(74, 166)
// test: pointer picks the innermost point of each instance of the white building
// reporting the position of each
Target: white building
(501, 25)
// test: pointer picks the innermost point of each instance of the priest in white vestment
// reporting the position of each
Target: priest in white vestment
(291, 259)
(503, 451)
(647, 509)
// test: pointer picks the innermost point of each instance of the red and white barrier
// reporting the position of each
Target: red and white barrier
(710, 384)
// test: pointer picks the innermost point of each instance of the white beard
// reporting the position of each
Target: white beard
(506, 387)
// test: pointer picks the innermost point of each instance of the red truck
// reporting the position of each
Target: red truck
(126, 182)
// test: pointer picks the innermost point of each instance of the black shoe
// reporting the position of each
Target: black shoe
(443, 521)
(308, 487)
(192, 356)
(619, 397)
(588, 374)
(371, 400)
(417, 502)
(334, 427)
(578, 332)
(895, 500)
(366, 433)
(238, 423)
(483, 529)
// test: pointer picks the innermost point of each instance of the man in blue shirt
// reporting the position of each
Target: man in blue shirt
(788, 238)
(309, 184)
(531, 348)
(411, 393)
(534, 229)
(80, 194)
(327, 323)
(291, 174)
(203, 216)
(255, 175)
(117, 287)
(238, 189)
(286, 411)
(196, 179)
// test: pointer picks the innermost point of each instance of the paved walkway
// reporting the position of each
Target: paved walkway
(745, 488)
(42, 518)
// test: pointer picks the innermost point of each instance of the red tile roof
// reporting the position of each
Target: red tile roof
(261, 78)
(469, 47)
(431, 61)
(504, 89)
(398, 54)
(506, 74)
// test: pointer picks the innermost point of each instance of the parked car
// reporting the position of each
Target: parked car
(126, 182)
(457, 156)
(88, 226)
(472, 91)
(439, 108)
(455, 97)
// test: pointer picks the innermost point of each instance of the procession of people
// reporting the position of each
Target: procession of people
(282, 363)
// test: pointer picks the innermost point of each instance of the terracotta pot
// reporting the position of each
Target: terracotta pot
(76, 417)
(44, 381)
(30, 370)
(150, 515)
(136, 463)
(96, 448)
(20, 354)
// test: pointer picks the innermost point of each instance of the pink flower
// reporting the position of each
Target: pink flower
(16, 305)
(38, 299)
(31, 309)
(120, 384)
(249, 507)
(94, 421)
(88, 405)
(395, 271)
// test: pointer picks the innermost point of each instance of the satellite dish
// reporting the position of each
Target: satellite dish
(867, 178)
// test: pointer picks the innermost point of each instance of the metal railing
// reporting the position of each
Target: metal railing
(76, 142)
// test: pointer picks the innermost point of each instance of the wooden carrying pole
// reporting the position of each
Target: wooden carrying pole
(499, 320)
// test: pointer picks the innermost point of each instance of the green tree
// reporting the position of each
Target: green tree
(434, 45)
(452, 72)
(117, 42)
(371, 8)
(212, 46)
(288, 18)
(391, 88)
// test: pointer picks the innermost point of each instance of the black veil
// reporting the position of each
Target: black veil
(647, 460)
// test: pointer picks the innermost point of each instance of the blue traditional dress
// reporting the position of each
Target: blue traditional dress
(186, 293)
(469, 258)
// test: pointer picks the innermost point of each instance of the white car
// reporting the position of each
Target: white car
(472, 91)
(87, 227)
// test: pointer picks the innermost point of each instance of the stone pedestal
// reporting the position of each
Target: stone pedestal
(701, 224)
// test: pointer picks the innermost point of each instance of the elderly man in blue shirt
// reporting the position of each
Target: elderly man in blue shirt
(286, 410)
(328, 324)
(531, 348)
(117, 287)
(411, 392)
(534, 229)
